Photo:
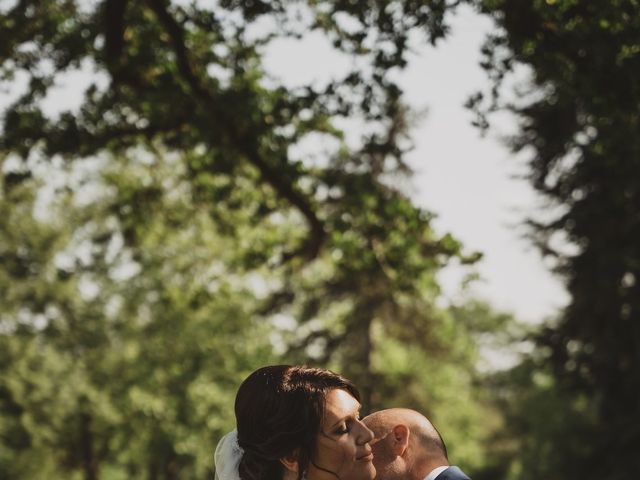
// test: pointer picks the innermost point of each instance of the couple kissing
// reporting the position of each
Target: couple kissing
(301, 423)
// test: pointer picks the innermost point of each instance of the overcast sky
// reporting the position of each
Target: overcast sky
(474, 184)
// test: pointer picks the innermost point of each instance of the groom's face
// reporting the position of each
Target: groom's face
(342, 449)
(384, 460)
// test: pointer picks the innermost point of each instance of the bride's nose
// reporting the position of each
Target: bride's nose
(365, 435)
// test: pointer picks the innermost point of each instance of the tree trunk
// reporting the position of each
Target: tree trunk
(89, 461)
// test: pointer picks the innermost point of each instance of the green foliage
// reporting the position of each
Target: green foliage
(434, 369)
(127, 356)
(545, 425)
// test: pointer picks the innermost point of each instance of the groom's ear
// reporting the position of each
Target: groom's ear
(400, 440)
(290, 462)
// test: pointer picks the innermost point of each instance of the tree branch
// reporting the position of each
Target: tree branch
(114, 31)
(269, 174)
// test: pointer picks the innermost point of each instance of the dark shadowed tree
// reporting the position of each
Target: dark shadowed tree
(579, 122)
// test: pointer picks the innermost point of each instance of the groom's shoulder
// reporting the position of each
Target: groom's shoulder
(452, 473)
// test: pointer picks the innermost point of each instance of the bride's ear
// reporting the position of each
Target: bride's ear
(290, 463)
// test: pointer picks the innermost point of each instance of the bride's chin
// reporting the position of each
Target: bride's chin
(370, 471)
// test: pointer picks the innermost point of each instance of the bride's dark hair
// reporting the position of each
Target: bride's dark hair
(279, 411)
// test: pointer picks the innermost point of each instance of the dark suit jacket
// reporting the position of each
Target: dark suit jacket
(452, 473)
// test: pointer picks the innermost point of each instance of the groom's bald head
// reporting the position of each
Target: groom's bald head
(406, 445)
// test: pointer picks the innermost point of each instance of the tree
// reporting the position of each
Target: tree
(188, 78)
(164, 63)
(123, 342)
(580, 123)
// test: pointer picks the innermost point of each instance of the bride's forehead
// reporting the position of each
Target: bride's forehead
(340, 403)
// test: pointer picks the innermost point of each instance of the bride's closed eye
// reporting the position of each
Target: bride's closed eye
(345, 427)
(341, 430)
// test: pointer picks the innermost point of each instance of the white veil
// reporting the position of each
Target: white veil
(227, 457)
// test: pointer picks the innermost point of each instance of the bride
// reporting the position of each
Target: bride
(296, 423)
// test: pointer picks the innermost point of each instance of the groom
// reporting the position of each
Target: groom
(408, 447)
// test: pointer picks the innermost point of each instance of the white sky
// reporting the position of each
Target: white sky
(470, 182)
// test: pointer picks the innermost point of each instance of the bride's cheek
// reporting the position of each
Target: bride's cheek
(345, 460)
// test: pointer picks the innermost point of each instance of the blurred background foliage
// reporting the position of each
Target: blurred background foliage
(164, 239)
